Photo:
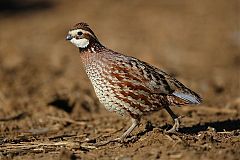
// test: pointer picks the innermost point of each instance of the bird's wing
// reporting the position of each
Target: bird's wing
(156, 81)
(179, 90)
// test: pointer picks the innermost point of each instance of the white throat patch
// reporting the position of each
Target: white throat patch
(80, 43)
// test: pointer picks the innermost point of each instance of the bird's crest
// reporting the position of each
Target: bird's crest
(81, 25)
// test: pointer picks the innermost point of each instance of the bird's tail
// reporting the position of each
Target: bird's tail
(181, 98)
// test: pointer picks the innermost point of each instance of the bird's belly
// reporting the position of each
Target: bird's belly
(122, 99)
(114, 100)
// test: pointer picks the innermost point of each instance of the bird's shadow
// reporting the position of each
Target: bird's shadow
(219, 126)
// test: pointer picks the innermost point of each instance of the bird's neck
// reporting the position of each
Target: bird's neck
(91, 53)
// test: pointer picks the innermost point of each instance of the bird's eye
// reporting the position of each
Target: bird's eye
(79, 33)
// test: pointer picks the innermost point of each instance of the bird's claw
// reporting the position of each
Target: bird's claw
(175, 127)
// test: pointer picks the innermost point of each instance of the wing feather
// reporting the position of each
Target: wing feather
(158, 82)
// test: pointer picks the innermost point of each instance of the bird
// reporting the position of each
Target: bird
(127, 85)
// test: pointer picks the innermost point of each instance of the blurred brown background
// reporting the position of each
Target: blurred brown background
(41, 74)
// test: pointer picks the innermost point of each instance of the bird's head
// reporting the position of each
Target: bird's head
(82, 36)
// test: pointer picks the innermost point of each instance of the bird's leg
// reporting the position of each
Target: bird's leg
(175, 119)
(135, 123)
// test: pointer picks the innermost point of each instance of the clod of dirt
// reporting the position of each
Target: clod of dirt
(62, 103)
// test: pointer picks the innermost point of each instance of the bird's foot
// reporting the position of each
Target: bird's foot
(175, 127)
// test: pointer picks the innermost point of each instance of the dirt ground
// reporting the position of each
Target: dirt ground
(48, 109)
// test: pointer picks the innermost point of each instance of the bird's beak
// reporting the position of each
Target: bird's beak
(69, 37)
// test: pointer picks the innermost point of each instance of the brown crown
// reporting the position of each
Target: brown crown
(83, 26)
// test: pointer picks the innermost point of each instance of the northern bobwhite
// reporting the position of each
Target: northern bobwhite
(127, 85)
